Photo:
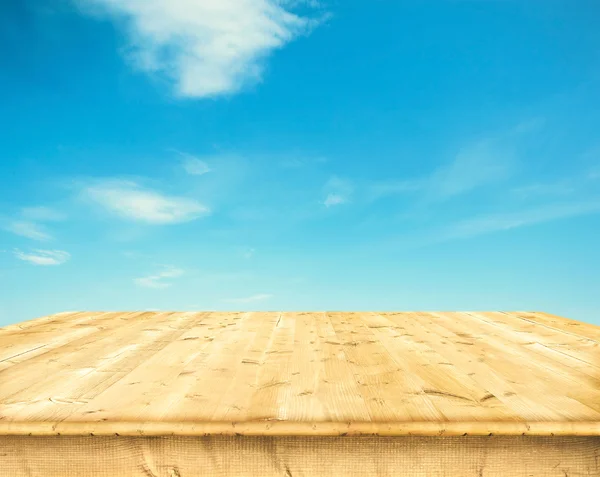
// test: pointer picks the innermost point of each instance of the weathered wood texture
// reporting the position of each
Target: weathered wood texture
(311, 373)
(271, 456)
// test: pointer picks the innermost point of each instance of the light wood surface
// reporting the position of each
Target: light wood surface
(311, 373)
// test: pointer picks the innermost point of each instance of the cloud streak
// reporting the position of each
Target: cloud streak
(379, 189)
(193, 165)
(42, 214)
(479, 164)
(544, 190)
(157, 281)
(29, 230)
(206, 47)
(44, 257)
(507, 221)
(128, 200)
(475, 166)
(196, 167)
(249, 299)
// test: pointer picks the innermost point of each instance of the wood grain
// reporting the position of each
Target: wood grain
(300, 373)
(276, 456)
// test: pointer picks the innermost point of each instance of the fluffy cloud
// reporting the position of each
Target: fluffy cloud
(206, 47)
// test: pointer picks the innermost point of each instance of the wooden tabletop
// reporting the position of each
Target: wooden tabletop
(312, 373)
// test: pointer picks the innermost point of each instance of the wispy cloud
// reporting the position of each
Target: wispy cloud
(530, 125)
(43, 257)
(135, 255)
(130, 201)
(295, 162)
(249, 299)
(196, 167)
(159, 280)
(42, 214)
(544, 190)
(338, 191)
(375, 190)
(333, 199)
(193, 165)
(26, 223)
(207, 47)
(475, 166)
(506, 221)
(479, 164)
(28, 229)
(220, 276)
(248, 252)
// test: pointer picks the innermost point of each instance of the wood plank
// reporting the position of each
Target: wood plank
(554, 322)
(76, 356)
(526, 381)
(517, 345)
(572, 345)
(307, 370)
(43, 335)
(450, 386)
(388, 381)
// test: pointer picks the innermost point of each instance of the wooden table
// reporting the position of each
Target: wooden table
(297, 394)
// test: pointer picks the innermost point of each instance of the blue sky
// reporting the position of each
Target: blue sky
(288, 155)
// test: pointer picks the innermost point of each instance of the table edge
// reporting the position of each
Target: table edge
(287, 428)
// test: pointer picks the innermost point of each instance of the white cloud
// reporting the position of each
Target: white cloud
(192, 164)
(250, 299)
(44, 257)
(536, 190)
(475, 166)
(29, 230)
(378, 189)
(248, 252)
(530, 125)
(507, 221)
(42, 214)
(130, 201)
(158, 280)
(196, 167)
(295, 162)
(207, 47)
(334, 199)
(338, 191)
